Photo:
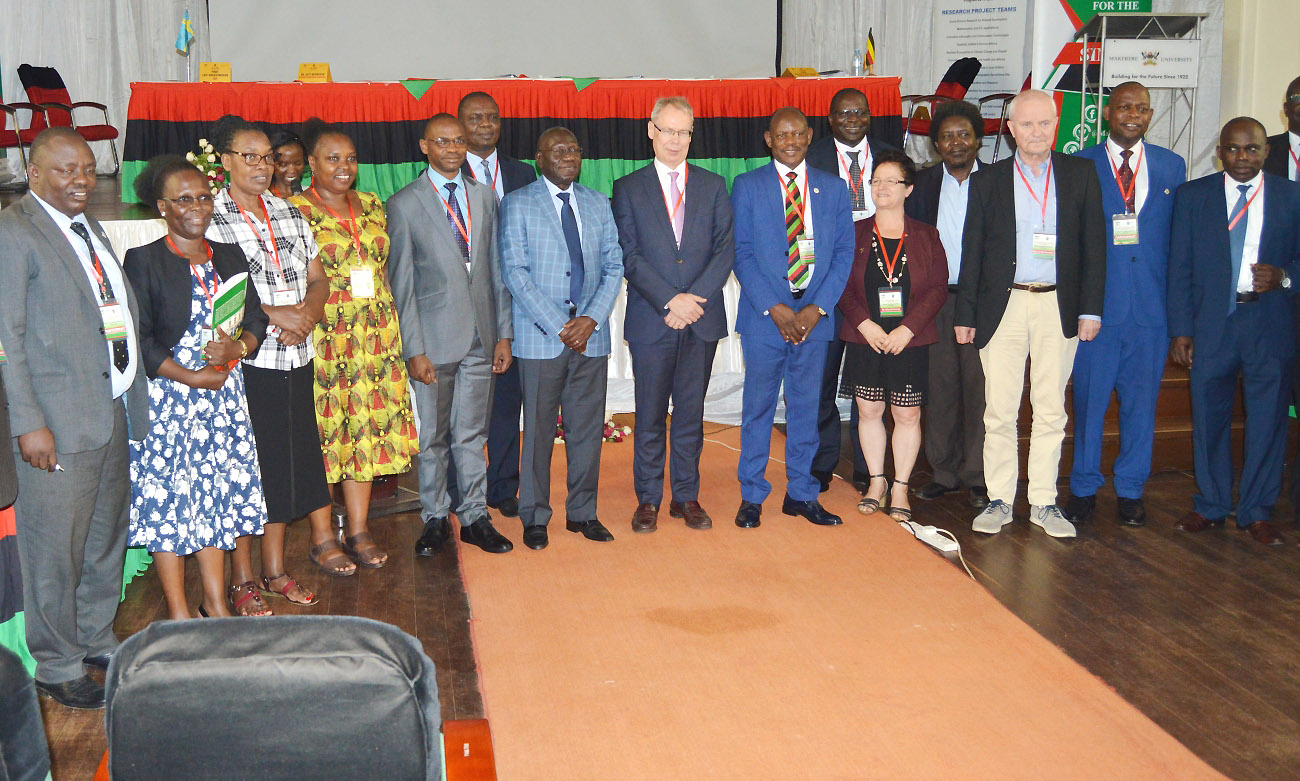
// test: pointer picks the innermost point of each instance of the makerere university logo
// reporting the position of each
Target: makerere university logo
(1150, 59)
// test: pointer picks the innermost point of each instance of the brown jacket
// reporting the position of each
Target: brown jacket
(927, 265)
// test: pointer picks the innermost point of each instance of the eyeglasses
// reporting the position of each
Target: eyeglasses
(443, 143)
(851, 113)
(564, 151)
(887, 182)
(682, 134)
(253, 159)
(1293, 98)
(187, 201)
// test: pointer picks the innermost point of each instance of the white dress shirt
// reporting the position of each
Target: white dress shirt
(801, 181)
(1254, 225)
(953, 198)
(1293, 143)
(1138, 162)
(121, 380)
(842, 161)
(493, 164)
(665, 184)
(559, 204)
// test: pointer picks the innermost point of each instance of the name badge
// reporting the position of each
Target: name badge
(2, 355)
(363, 283)
(1126, 228)
(206, 335)
(860, 214)
(114, 321)
(805, 250)
(284, 296)
(1044, 247)
(891, 301)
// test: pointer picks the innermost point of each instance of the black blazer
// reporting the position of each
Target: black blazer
(8, 477)
(162, 283)
(821, 154)
(514, 174)
(923, 203)
(1279, 147)
(988, 254)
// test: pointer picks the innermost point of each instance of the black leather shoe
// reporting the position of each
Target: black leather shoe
(81, 693)
(1079, 508)
(593, 530)
(435, 534)
(813, 511)
(933, 490)
(535, 537)
(747, 517)
(98, 661)
(1131, 511)
(823, 481)
(482, 534)
(978, 497)
(509, 507)
(862, 482)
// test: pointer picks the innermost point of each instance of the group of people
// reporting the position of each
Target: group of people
(482, 289)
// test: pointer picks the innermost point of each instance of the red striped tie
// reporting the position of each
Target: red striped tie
(797, 270)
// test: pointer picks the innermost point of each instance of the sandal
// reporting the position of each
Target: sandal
(289, 585)
(363, 550)
(900, 514)
(248, 589)
(336, 564)
(870, 504)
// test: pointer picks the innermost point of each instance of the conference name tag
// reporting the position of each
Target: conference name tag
(806, 250)
(114, 321)
(363, 283)
(860, 214)
(1126, 228)
(284, 296)
(1044, 247)
(891, 301)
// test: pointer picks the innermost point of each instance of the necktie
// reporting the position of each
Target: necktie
(1126, 186)
(577, 275)
(796, 269)
(679, 211)
(487, 177)
(1237, 241)
(856, 189)
(120, 355)
(457, 222)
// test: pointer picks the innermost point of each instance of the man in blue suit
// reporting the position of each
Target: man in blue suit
(1138, 181)
(1233, 253)
(674, 222)
(561, 261)
(794, 249)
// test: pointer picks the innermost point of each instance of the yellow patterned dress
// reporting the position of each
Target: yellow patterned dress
(362, 403)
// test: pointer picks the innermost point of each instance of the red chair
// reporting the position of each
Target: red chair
(956, 81)
(45, 88)
(18, 137)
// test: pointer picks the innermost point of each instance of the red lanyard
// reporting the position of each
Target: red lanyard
(890, 264)
(802, 205)
(1047, 188)
(1237, 219)
(258, 234)
(1295, 160)
(1131, 190)
(495, 176)
(681, 196)
(353, 227)
(468, 214)
(195, 268)
(862, 172)
(99, 273)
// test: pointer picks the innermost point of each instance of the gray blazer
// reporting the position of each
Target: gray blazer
(8, 478)
(436, 300)
(50, 327)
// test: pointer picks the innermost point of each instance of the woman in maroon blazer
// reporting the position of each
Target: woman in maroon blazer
(898, 284)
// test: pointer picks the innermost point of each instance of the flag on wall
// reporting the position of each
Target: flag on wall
(871, 49)
(186, 35)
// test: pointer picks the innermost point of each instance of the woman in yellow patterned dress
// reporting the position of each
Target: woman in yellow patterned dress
(362, 403)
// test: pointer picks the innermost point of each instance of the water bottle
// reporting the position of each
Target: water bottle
(857, 62)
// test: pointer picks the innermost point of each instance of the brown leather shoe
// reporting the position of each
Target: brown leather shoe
(1265, 533)
(1195, 522)
(645, 519)
(694, 514)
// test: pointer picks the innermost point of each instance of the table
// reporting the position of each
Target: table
(386, 119)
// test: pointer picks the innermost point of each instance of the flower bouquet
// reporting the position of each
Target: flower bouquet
(205, 158)
(612, 432)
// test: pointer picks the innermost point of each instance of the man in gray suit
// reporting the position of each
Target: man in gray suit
(68, 326)
(455, 318)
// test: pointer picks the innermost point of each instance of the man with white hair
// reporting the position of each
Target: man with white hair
(1032, 282)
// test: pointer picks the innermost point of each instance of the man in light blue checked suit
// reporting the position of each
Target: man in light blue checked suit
(561, 261)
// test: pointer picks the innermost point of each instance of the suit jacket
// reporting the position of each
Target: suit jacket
(162, 284)
(535, 265)
(1136, 273)
(988, 250)
(927, 268)
(514, 174)
(1201, 287)
(656, 268)
(821, 155)
(757, 197)
(923, 203)
(50, 327)
(8, 477)
(1279, 150)
(435, 298)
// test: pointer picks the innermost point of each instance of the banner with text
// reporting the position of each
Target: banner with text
(993, 31)
(1157, 64)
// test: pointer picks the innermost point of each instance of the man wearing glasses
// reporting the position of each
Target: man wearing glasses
(675, 269)
(561, 260)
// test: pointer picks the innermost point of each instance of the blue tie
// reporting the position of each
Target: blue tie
(1237, 242)
(454, 208)
(569, 222)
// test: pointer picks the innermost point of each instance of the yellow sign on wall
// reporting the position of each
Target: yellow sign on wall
(314, 71)
(214, 71)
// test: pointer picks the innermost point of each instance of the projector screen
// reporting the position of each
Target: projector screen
(390, 40)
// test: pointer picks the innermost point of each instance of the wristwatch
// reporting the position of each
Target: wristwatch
(1286, 281)
(823, 311)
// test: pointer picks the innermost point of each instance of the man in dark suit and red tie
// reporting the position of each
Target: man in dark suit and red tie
(794, 250)
(1233, 253)
(674, 224)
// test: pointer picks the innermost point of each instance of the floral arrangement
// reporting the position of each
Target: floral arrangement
(205, 158)
(612, 433)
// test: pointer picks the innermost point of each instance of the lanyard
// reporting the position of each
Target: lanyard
(95, 266)
(1251, 200)
(862, 171)
(1133, 189)
(469, 215)
(681, 196)
(890, 264)
(353, 227)
(1294, 159)
(258, 234)
(1046, 189)
(802, 205)
(195, 269)
(496, 175)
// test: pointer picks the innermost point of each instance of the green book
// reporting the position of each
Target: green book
(228, 306)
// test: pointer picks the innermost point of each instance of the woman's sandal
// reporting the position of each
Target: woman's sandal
(289, 585)
(870, 504)
(900, 514)
(332, 564)
(363, 550)
(244, 593)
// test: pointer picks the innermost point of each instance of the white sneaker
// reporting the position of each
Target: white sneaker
(991, 520)
(1050, 518)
